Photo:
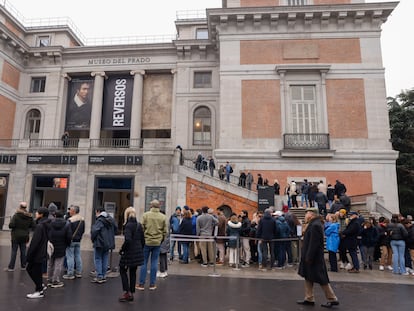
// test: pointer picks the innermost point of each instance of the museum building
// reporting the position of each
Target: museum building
(290, 89)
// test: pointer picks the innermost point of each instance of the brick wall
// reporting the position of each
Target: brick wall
(10, 75)
(346, 108)
(199, 195)
(300, 51)
(261, 115)
(8, 109)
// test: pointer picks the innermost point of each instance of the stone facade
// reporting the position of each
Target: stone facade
(265, 71)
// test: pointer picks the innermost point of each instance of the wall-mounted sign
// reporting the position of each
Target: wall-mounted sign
(265, 197)
(155, 193)
(47, 159)
(119, 61)
(115, 160)
(8, 158)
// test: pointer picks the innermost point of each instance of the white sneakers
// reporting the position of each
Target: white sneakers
(35, 295)
(348, 266)
(381, 268)
(341, 265)
(162, 274)
(389, 268)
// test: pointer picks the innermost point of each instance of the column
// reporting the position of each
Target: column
(136, 111)
(96, 115)
(174, 109)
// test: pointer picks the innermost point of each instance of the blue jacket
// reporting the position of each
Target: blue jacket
(332, 236)
(283, 229)
(174, 224)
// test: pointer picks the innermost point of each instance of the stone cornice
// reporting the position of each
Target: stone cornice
(309, 17)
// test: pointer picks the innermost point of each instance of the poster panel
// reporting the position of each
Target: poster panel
(79, 105)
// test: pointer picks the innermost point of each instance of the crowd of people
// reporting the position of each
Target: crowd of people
(269, 239)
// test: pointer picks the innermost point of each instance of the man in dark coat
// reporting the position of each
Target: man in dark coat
(20, 225)
(37, 252)
(103, 238)
(312, 263)
(266, 231)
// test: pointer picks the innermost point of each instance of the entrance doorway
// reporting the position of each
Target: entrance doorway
(49, 189)
(115, 194)
(3, 197)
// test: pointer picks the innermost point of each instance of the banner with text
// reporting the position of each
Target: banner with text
(116, 113)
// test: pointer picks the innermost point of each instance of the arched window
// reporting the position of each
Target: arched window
(32, 127)
(202, 126)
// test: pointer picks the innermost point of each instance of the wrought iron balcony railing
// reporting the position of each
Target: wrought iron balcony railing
(54, 143)
(306, 141)
(116, 143)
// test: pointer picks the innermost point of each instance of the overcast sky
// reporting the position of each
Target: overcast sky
(97, 18)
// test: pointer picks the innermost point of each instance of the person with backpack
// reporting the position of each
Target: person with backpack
(103, 239)
(60, 236)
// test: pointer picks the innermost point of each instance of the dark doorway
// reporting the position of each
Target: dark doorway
(115, 194)
(47, 189)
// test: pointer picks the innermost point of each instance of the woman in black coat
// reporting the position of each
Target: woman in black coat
(132, 254)
(186, 228)
(312, 262)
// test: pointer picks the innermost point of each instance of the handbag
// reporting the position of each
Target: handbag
(50, 249)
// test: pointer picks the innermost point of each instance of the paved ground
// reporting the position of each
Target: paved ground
(189, 287)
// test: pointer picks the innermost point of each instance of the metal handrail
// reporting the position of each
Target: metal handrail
(54, 143)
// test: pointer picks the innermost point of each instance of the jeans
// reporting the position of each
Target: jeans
(15, 246)
(154, 251)
(172, 246)
(354, 257)
(398, 256)
(185, 251)
(73, 258)
(304, 198)
(268, 248)
(101, 262)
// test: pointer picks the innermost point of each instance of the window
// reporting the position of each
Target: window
(43, 41)
(202, 79)
(202, 126)
(38, 85)
(303, 109)
(202, 33)
(32, 127)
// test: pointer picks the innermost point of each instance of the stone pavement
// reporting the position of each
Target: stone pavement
(191, 287)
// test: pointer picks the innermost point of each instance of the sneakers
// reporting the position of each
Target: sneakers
(204, 265)
(289, 265)
(35, 295)
(68, 276)
(405, 273)
(8, 270)
(348, 266)
(381, 268)
(140, 287)
(153, 287)
(390, 268)
(245, 265)
(126, 297)
(98, 280)
(57, 284)
(341, 265)
(78, 275)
